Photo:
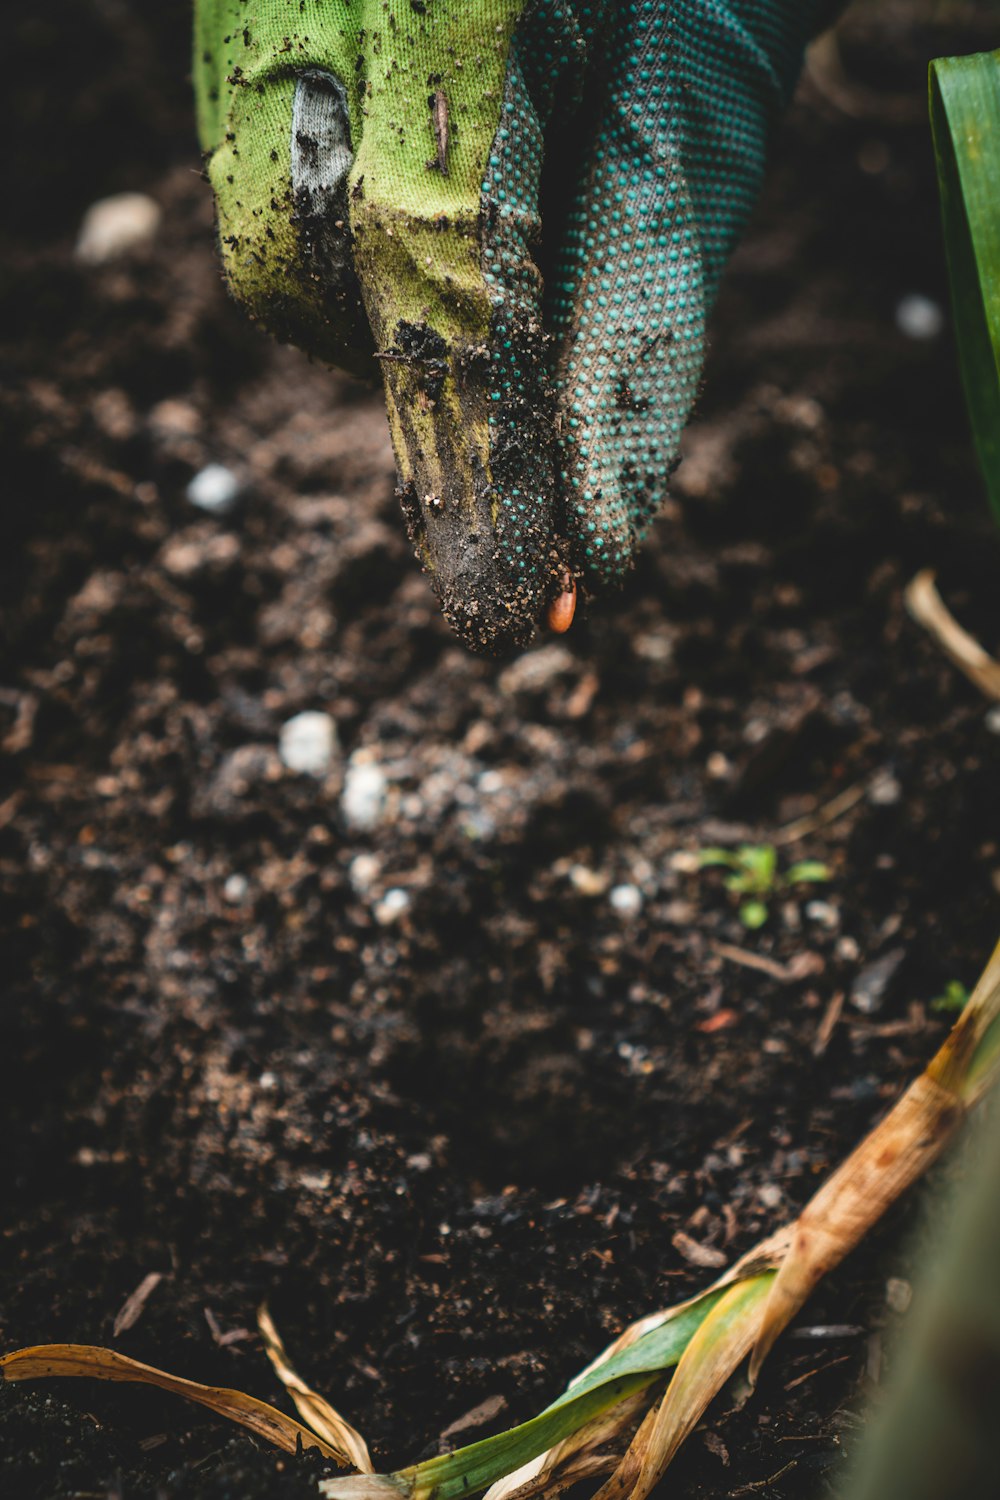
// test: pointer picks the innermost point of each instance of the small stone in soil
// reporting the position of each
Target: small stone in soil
(363, 873)
(918, 317)
(898, 1294)
(823, 913)
(113, 226)
(214, 489)
(235, 889)
(394, 904)
(536, 671)
(626, 900)
(241, 773)
(364, 796)
(308, 743)
(885, 790)
(587, 882)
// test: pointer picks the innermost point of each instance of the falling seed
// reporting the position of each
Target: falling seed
(563, 608)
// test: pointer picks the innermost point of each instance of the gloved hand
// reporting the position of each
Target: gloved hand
(519, 212)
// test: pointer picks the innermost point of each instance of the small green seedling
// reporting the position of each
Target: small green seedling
(754, 875)
(953, 999)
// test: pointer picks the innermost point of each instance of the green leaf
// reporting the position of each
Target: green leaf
(760, 862)
(955, 997)
(753, 914)
(965, 120)
(707, 857)
(808, 872)
(451, 1475)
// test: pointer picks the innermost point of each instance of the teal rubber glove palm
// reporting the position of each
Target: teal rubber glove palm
(520, 213)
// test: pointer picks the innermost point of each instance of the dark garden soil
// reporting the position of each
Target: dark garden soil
(452, 1135)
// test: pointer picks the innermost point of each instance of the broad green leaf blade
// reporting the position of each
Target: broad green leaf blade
(474, 1467)
(965, 120)
(660, 1349)
(604, 1385)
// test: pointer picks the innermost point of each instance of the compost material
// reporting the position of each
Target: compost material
(444, 1046)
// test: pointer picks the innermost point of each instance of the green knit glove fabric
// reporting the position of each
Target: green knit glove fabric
(519, 212)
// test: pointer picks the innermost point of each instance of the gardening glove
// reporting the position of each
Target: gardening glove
(381, 171)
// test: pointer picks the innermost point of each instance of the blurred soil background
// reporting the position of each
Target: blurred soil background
(445, 1051)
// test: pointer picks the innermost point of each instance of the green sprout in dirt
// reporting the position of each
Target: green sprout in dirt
(754, 875)
(952, 999)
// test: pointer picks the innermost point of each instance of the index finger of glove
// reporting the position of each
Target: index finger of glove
(685, 97)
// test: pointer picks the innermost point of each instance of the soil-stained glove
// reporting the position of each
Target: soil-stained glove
(382, 171)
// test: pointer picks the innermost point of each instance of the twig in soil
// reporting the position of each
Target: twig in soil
(790, 1385)
(756, 1485)
(802, 966)
(22, 732)
(825, 1029)
(825, 71)
(827, 1331)
(9, 807)
(828, 813)
(131, 1309)
(929, 610)
(227, 1339)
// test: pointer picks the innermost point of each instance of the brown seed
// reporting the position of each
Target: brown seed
(563, 608)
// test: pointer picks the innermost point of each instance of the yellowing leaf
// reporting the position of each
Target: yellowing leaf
(42, 1361)
(343, 1439)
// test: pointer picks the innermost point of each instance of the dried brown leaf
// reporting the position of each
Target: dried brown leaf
(626, 1475)
(41, 1361)
(898, 1151)
(347, 1444)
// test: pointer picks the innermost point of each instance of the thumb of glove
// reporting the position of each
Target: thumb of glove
(277, 123)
